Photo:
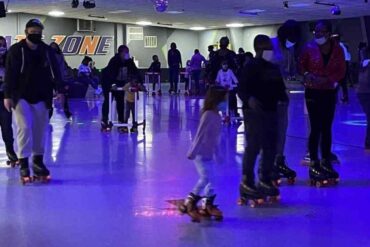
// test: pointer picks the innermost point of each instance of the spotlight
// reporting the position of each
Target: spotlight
(89, 4)
(336, 10)
(75, 3)
(286, 4)
(161, 5)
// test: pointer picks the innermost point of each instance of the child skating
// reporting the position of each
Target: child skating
(202, 151)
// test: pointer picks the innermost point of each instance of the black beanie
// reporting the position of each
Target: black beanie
(34, 23)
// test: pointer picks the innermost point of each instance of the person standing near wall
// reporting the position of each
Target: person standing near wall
(5, 115)
(174, 65)
(363, 90)
(120, 70)
(30, 78)
(285, 47)
(196, 69)
(323, 66)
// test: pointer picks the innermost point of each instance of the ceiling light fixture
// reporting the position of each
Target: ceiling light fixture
(121, 11)
(234, 25)
(89, 4)
(75, 3)
(174, 12)
(334, 11)
(197, 28)
(56, 13)
(144, 23)
(160, 5)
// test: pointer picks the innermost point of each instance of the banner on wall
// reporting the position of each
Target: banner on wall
(72, 45)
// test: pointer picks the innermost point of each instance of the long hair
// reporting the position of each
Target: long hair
(215, 95)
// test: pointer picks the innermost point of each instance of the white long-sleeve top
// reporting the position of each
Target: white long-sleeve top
(227, 78)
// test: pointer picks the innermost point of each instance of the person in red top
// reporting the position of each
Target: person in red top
(323, 66)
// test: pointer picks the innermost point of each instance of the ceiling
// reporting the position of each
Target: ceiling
(207, 13)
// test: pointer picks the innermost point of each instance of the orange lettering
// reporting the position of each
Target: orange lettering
(20, 37)
(58, 38)
(89, 45)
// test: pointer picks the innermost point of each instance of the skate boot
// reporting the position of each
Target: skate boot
(24, 171)
(40, 172)
(318, 177)
(250, 195)
(105, 127)
(208, 209)
(134, 129)
(186, 93)
(334, 159)
(190, 207)
(153, 94)
(12, 159)
(159, 92)
(284, 171)
(331, 174)
(269, 191)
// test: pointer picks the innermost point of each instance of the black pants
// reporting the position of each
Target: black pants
(233, 102)
(6, 126)
(364, 99)
(174, 78)
(119, 96)
(321, 109)
(261, 133)
(130, 109)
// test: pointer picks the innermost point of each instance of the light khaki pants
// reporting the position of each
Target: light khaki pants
(32, 121)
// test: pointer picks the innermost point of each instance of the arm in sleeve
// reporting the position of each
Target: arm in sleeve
(245, 88)
(12, 67)
(303, 61)
(57, 73)
(235, 80)
(218, 78)
(198, 140)
(338, 73)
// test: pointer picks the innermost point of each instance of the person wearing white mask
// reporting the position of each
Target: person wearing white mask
(285, 45)
(323, 66)
(261, 88)
(121, 69)
(6, 116)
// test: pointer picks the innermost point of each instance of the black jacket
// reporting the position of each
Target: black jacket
(174, 58)
(18, 71)
(262, 80)
(110, 73)
(155, 67)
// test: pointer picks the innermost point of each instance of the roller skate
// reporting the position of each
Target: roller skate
(249, 195)
(189, 207)
(12, 159)
(159, 92)
(134, 129)
(153, 94)
(208, 209)
(123, 130)
(187, 93)
(106, 127)
(318, 177)
(284, 171)
(331, 174)
(25, 171)
(269, 191)
(40, 172)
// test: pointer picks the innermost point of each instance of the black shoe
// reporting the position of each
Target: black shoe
(24, 171)
(318, 177)
(331, 174)
(38, 167)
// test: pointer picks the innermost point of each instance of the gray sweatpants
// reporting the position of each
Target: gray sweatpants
(32, 121)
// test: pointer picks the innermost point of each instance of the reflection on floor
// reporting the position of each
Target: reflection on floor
(110, 189)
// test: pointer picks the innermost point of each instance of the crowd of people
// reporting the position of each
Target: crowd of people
(31, 71)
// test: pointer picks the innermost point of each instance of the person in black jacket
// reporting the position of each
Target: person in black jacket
(174, 65)
(155, 67)
(261, 88)
(31, 75)
(121, 69)
(6, 116)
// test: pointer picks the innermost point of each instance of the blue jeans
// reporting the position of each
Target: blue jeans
(206, 176)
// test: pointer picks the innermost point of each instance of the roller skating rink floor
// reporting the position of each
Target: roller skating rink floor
(110, 189)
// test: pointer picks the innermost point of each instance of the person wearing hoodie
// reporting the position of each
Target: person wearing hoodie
(174, 65)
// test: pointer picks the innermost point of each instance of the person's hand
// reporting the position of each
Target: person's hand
(254, 104)
(8, 104)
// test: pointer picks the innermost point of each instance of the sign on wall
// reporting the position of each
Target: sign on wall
(76, 44)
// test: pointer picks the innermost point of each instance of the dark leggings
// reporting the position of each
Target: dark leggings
(321, 109)
(6, 126)
(119, 96)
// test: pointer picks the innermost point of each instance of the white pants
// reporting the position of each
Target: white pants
(32, 121)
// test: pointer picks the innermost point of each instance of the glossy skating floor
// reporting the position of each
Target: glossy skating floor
(110, 189)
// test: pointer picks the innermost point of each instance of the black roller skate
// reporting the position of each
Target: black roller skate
(106, 127)
(284, 171)
(190, 208)
(12, 159)
(318, 177)
(331, 174)
(153, 94)
(159, 92)
(208, 209)
(134, 129)
(24, 171)
(40, 172)
(269, 191)
(250, 195)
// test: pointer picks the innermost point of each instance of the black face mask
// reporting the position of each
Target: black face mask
(35, 38)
